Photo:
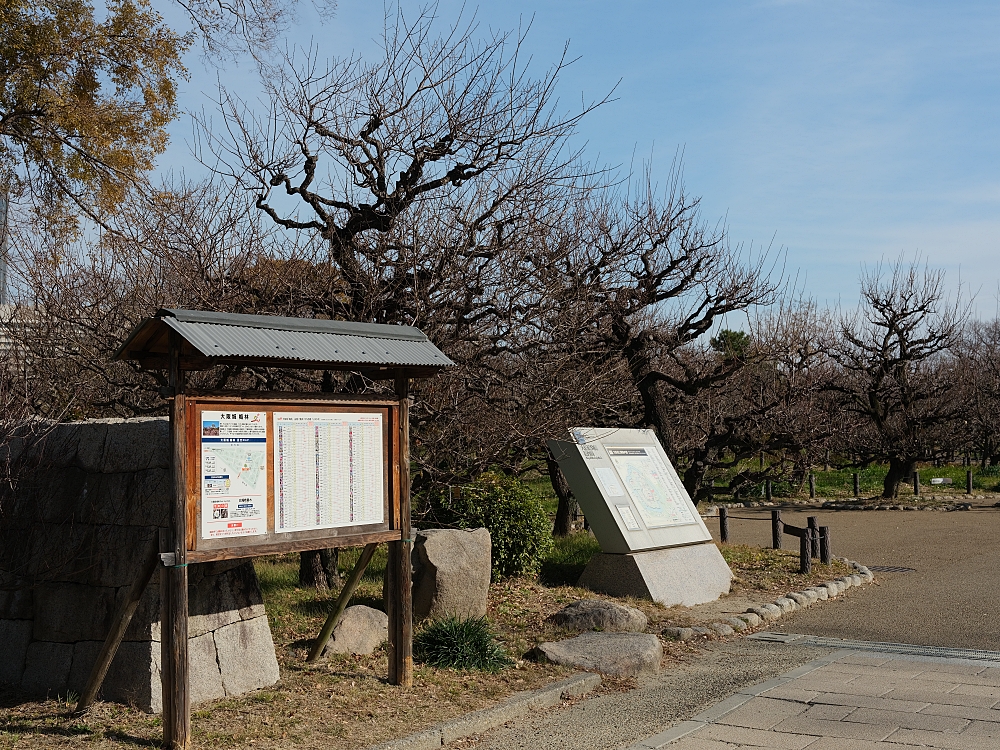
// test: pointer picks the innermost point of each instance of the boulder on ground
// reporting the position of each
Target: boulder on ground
(451, 573)
(615, 654)
(597, 614)
(361, 630)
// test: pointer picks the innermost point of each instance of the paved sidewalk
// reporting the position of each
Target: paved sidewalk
(854, 700)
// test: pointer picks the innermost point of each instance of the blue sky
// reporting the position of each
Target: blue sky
(843, 133)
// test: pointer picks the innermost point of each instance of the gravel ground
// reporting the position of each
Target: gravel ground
(617, 720)
(952, 598)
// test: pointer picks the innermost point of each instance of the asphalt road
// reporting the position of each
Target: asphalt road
(951, 599)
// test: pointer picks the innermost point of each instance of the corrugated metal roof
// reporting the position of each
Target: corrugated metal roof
(214, 337)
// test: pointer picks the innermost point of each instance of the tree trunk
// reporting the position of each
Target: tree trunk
(899, 469)
(330, 559)
(311, 572)
(564, 511)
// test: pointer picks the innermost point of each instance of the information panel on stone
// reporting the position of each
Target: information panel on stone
(628, 489)
(657, 493)
(233, 474)
(328, 470)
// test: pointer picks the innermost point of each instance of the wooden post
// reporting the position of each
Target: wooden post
(399, 573)
(724, 524)
(166, 640)
(916, 483)
(174, 611)
(767, 489)
(805, 547)
(119, 625)
(345, 596)
(825, 553)
(776, 529)
(826, 460)
(857, 484)
(968, 482)
(812, 523)
(812, 486)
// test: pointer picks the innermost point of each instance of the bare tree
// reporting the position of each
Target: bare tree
(979, 390)
(896, 358)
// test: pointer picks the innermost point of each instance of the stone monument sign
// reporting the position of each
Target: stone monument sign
(653, 541)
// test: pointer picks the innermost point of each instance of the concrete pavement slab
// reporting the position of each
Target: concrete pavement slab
(816, 709)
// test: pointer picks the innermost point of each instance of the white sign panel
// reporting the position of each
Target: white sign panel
(328, 470)
(656, 491)
(233, 474)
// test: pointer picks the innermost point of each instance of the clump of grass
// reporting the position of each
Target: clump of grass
(568, 557)
(460, 644)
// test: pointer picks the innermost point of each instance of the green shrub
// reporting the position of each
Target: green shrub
(460, 644)
(520, 530)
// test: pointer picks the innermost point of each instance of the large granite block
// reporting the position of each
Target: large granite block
(17, 604)
(15, 636)
(141, 444)
(677, 575)
(90, 446)
(46, 668)
(246, 656)
(203, 661)
(70, 612)
(134, 677)
(215, 601)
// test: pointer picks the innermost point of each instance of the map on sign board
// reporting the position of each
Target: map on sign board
(656, 491)
(233, 474)
(328, 470)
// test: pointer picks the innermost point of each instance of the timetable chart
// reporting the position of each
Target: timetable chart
(328, 470)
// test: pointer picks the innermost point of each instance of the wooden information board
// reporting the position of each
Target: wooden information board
(268, 475)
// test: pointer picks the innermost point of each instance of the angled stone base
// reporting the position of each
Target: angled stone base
(678, 575)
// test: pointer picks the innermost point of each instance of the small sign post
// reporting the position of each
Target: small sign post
(260, 473)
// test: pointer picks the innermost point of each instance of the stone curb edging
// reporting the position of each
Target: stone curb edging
(720, 709)
(490, 718)
(833, 505)
(713, 510)
(755, 616)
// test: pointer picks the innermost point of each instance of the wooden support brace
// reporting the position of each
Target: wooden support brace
(724, 524)
(345, 596)
(119, 625)
(776, 528)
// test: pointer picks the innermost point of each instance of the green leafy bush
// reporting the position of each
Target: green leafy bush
(460, 644)
(520, 530)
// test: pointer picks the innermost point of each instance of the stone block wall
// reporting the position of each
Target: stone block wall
(87, 500)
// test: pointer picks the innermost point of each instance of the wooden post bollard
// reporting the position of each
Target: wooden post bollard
(812, 523)
(767, 489)
(857, 485)
(724, 524)
(776, 529)
(812, 486)
(916, 483)
(968, 482)
(825, 554)
(805, 547)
